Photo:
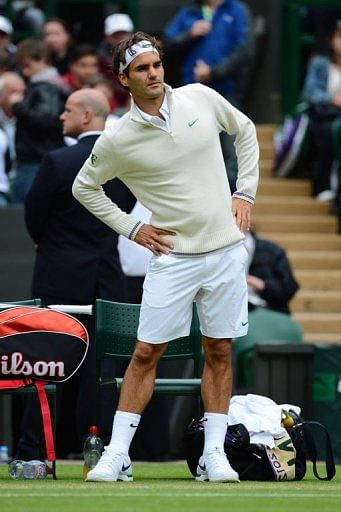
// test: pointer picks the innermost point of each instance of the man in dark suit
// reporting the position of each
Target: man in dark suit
(77, 259)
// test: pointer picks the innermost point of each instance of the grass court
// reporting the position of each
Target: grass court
(162, 488)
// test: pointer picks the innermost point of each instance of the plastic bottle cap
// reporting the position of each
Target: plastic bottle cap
(93, 430)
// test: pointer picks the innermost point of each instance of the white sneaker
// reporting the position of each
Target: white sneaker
(214, 466)
(112, 466)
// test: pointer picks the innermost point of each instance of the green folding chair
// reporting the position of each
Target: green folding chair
(49, 388)
(116, 335)
(266, 327)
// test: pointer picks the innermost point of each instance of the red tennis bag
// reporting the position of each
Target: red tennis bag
(37, 346)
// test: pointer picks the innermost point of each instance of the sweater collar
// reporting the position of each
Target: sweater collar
(134, 111)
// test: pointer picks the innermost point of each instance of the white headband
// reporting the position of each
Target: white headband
(136, 50)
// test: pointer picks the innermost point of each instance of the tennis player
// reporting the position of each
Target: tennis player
(166, 149)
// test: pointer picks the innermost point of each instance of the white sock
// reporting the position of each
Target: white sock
(215, 426)
(123, 431)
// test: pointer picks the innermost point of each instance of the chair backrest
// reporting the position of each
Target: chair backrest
(28, 302)
(271, 327)
(116, 334)
(266, 327)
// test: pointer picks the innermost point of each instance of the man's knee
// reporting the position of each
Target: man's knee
(217, 351)
(146, 354)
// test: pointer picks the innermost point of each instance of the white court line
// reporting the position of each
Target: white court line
(119, 494)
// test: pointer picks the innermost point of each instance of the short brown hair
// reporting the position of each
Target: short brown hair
(122, 46)
(34, 49)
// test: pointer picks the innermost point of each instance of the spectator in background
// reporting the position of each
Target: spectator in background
(116, 27)
(83, 66)
(76, 261)
(10, 84)
(215, 40)
(322, 89)
(4, 159)
(37, 112)
(58, 39)
(271, 283)
(6, 31)
(29, 17)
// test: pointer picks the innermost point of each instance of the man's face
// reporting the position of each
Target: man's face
(72, 118)
(11, 86)
(146, 77)
(85, 68)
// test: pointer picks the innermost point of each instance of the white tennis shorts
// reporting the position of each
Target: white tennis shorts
(215, 280)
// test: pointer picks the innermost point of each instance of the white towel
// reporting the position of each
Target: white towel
(260, 415)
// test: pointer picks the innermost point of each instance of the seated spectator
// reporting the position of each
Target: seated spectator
(322, 89)
(116, 27)
(58, 38)
(37, 111)
(83, 65)
(271, 283)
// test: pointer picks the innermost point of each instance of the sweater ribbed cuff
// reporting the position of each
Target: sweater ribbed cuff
(246, 197)
(134, 231)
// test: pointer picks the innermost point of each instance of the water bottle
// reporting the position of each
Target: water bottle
(92, 452)
(3, 454)
(31, 470)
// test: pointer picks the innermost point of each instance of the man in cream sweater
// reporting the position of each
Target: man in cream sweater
(166, 149)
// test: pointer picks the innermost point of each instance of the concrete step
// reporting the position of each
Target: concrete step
(266, 168)
(291, 223)
(329, 260)
(285, 204)
(322, 338)
(319, 322)
(279, 186)
(266, 149)
(265, 132)
(305, 241)
(324, 301)
(319, 279)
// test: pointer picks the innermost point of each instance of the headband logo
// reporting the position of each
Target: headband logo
(131, 51)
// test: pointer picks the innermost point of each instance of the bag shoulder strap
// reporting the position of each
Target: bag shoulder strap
(312, 450)
(45, 411)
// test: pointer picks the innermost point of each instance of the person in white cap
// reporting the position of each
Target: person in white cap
(116, 27)
(6, 31)
(166, 149)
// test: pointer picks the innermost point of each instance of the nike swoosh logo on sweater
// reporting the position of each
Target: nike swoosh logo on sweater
(193, 122)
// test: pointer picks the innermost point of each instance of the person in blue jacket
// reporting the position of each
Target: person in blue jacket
(215, 41)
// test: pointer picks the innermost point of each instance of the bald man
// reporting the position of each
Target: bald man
(76, 261)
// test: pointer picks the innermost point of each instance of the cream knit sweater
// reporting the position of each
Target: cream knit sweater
(180, 176)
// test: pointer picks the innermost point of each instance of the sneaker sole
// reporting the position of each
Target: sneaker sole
(231, 480)
(120, 478)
